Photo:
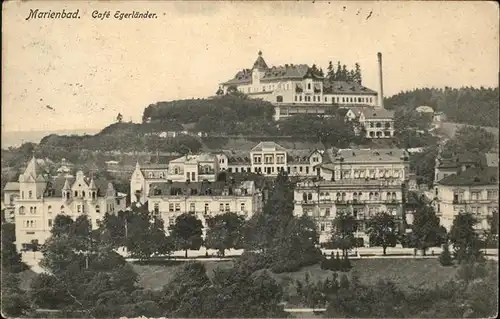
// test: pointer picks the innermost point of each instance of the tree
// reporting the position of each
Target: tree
(344, 225)
(338, 72)
(382, 230)
(186, 232)
(225, 232)
(296, 245)
(11, 259)
(357, 73)
(426, 230)
(464, 238)
(119, 118)
(14, 301)
(445, 259)
(470, 139)
(330, 75)
(145, 233)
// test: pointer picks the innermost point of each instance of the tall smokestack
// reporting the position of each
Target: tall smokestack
(381, 82)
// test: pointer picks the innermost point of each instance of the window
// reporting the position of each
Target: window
(300, 98)
(221, 207)
(227, 207)
(170, 207)
(97, 209)
(295, 98)
(492, 194)
(78, 208)
(177, 207)
(83, 193)
(31, 210)
(30, 194)
(236, 169)
(21, 210)
(176, 171)
(242, 207)
(279, 99)
(309, 196)
(327, 212)
(475, 195)
(206, 208)
(322, 226)
(50, 222)
(191, 207)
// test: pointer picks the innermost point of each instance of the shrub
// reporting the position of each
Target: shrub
(445, 258)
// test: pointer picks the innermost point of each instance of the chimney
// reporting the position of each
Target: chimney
(381, 81)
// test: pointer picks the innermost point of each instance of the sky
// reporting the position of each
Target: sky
(68, 74)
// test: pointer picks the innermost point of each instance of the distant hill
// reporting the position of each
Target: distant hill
(15, 139)
(467, 105)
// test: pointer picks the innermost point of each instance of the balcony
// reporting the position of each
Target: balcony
(459, 202)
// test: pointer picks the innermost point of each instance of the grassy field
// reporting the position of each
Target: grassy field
(156, 276)
(404, 272)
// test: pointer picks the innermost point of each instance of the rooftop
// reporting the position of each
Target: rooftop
(472, 177)
(268, 146)
(491, 159)
(367, 155)
(344, 87)
(201, 189)
(373, 113)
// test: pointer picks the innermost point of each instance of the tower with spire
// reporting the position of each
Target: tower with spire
(258, 70)
(32, 183)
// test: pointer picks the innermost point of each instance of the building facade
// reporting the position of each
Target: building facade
(42, 198)
(266, 158)
(297, 89)
(204, 199)
(357, 182)
(473, 190)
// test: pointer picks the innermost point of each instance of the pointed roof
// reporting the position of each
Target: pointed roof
(32, 169)
(92, 184)
(66, 184)
(260, 64)
(268, 146)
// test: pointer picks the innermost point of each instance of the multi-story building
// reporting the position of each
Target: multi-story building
(377, 122)
(269, 158)
(298, 89)
(266, 158)
(473, 190)
(204, 199)
(361, 182)
(42, 198)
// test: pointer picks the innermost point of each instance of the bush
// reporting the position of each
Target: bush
(345, 264)
(445, 258)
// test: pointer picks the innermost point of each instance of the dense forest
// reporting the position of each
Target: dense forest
(466, 105)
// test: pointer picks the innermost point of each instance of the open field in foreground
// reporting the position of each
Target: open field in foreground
(406, 273)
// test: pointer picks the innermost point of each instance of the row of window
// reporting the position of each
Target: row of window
(269, 159)
(371, 173)
(80, 194)
(176, 207)
(475, 195)
(380, 124)
(379, 134)
(317, 98)
(355, 196)
(79, 209)
(478, 210)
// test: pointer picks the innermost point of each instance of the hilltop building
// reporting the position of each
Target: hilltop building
(204, 199)
(301, 89)
(40, 198)
(266, 158)
(361, 182)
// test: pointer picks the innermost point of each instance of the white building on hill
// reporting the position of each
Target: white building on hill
(297, 89)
